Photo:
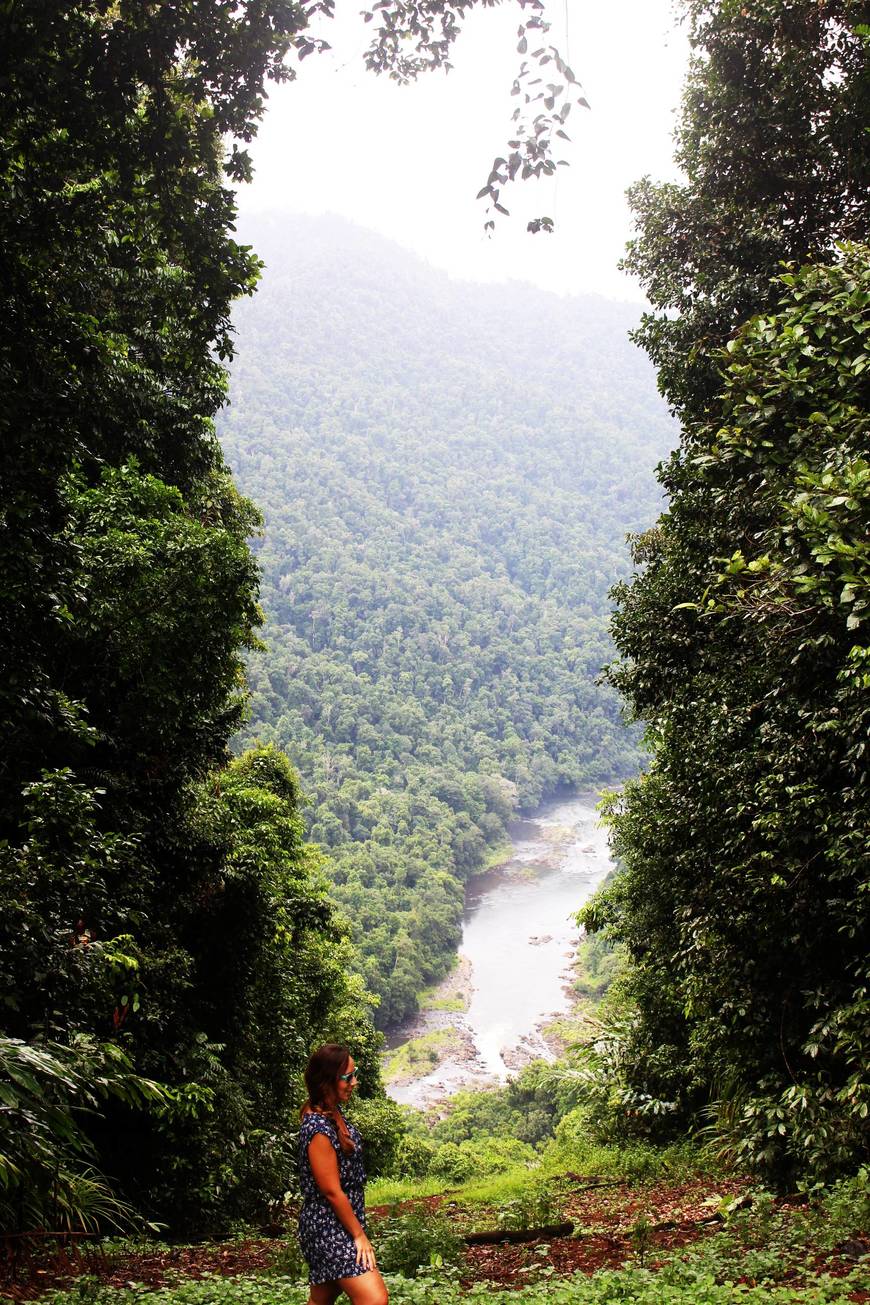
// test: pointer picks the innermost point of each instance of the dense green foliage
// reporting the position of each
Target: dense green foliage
(447, 474)
(416, 1240)
(161, 919)
(445, 486)
(158, 913)
(773, 146)
(744, 899)
(471, 1138)
(45, 1176)
(271, 977)
(746, 842)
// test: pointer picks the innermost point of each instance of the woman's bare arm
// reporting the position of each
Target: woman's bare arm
(324, 1167)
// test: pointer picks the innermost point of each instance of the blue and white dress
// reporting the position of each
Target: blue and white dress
(326, 1244)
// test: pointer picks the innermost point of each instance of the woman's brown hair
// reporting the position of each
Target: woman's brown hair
(321, 1075)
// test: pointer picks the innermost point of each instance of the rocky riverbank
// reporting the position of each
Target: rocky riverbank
(510, 999)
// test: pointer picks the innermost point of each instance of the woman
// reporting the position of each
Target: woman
(332, 1222)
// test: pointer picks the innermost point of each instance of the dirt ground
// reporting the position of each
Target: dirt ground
(605, 1216)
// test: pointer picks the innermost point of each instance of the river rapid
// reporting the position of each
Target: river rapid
(518, 941)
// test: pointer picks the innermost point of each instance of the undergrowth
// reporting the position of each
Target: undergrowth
(633, 1162)
(766, 1242)
(675, 1285)
(409, 1243)
(766, 1253)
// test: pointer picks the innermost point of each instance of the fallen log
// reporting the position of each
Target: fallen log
(590, 1184)
(513, 1235)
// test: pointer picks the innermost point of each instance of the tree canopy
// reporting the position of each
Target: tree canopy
(772, 144)
(447, 475)
(743, 897)
(128, 596)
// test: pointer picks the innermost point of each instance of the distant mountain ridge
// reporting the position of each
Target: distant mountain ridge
(447, 473)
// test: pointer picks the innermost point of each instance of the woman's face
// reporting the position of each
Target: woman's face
(346, 1082)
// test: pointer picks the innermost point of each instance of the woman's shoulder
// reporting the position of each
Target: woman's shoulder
(314, 1121)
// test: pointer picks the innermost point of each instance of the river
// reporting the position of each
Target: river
(514, 959)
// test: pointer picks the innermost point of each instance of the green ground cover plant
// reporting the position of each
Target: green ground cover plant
(536, 1207)
(408, 1243)
(677, 1285)
(765, 1242)
(809, 1250)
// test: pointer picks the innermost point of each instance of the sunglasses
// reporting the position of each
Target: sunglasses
(349, 1078)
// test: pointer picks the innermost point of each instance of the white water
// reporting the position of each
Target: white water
(519, 937)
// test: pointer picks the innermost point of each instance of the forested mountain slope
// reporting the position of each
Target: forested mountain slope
(447, 473)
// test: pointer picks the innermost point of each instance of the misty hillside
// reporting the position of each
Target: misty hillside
(447, 473)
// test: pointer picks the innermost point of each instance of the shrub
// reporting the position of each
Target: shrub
(47, 1091)
(414, 1157)
(382, 1127)
(491, 1155)
(407, 1243)
(534, 1208)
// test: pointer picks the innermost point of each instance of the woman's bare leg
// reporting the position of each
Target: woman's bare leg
(367, 1289)
(323, 1293)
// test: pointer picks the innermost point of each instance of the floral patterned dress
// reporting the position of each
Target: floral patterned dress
(326, 1244)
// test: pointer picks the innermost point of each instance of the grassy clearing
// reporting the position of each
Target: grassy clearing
(420, 1055)
(498, 855)
(429, 1001)
(637, 1163)
(492, 1190)
(453, 993)
(389, 1191)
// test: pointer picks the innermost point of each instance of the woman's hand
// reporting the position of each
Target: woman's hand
(364, 1253)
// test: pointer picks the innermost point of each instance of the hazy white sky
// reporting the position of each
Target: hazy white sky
(408, 161)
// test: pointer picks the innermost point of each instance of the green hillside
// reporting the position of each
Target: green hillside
(447, 473)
